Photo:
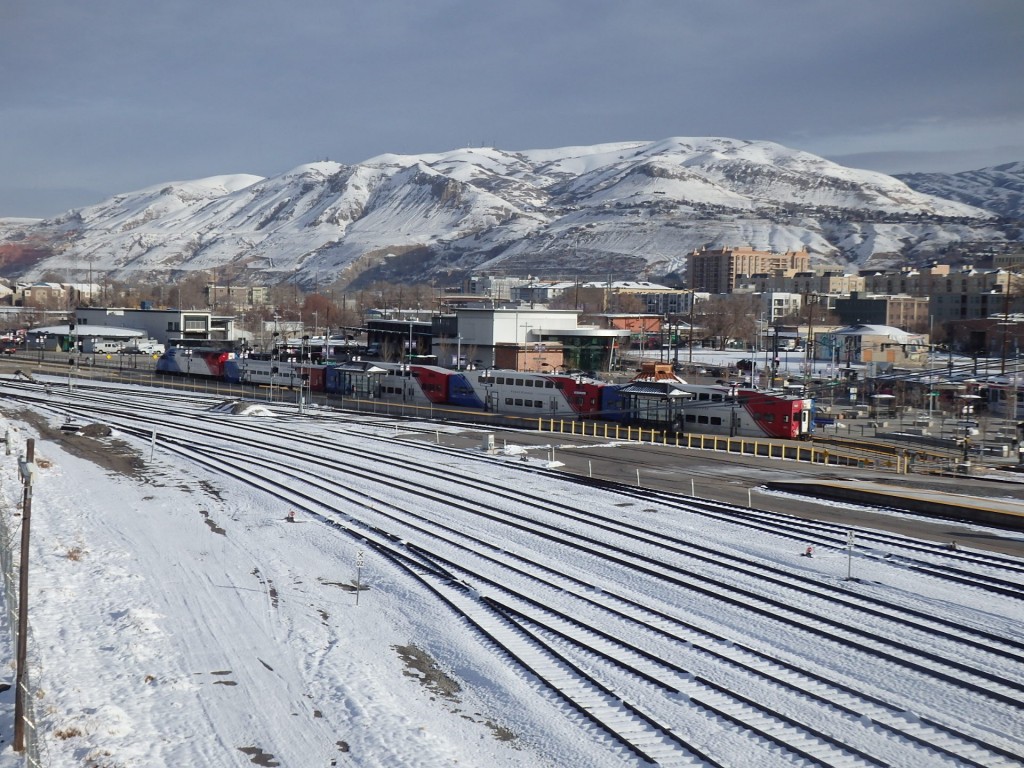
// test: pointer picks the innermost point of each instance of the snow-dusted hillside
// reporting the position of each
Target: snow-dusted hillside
(999, 189)
(628, 209)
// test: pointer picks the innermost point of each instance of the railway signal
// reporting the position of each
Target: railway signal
(849, 555)
(359, 573)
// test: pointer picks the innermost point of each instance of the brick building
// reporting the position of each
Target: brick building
(718, 270)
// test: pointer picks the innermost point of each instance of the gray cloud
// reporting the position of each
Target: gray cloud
(114, 95)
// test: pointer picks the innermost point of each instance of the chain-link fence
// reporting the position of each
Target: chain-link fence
(10, 515)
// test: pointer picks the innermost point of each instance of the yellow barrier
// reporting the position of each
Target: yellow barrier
(700, 441)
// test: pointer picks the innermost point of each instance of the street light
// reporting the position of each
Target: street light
(690, 347)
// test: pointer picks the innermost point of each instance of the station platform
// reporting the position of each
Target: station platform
(1002, 513)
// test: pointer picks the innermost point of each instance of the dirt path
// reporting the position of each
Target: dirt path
(94, 443)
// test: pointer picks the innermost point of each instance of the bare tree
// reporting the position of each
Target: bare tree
(321, 309)
(391, 349)
(629, 304)
(728, 316)
(191, 292)
(445, 351)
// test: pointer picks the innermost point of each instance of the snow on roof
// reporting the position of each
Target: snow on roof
(85, 331)
(897, 335)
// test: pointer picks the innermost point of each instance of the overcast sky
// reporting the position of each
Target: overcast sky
(110, 96)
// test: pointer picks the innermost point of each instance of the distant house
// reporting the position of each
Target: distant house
(863, 344)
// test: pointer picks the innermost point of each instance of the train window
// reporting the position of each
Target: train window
(528, 403)
(691, 419)
(538, 404)
(716, 420)
(528, 382)
(519, 382)
(549, 384)
(718, 398)
(519, 401)
(508, 401)
(702, 419)
(704, 396)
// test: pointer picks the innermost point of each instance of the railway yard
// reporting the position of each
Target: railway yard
(625, 603)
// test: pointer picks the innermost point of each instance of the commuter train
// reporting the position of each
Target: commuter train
(656, 398)
(1004, 397)
(186, 361)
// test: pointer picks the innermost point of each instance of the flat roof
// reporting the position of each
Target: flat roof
(518, 310)
(583, 332)
(83, 331)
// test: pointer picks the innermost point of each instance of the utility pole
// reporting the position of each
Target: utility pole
(1006, 321)
(809, 358)
(27, 470)
(693, 300)
(675, 342)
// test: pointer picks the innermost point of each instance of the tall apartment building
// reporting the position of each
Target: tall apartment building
(939, 279)
(717, 271)
(905, 312)
(1012, 260)
(830, 283)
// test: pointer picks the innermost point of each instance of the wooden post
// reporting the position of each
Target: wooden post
(22, 652)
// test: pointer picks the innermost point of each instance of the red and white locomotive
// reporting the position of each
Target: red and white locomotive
(656, 398)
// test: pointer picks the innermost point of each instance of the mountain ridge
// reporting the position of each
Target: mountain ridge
(632, 209)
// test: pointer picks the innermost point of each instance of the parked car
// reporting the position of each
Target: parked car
(9, 349)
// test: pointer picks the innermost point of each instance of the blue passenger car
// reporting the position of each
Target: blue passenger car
(613, 404)
(461, 392)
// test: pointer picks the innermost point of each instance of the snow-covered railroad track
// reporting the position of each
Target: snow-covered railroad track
(494, 546)
(259, 475)
(1006, 576)
(815, 619)
(802, 683)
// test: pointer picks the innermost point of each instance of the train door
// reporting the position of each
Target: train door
(805, 422)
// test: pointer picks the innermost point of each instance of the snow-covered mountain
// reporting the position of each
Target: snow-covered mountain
(627, 209)
(999, 189)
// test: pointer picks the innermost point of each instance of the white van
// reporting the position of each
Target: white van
(144, 347)
(103, 347)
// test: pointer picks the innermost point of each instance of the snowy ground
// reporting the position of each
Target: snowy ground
(178, 620)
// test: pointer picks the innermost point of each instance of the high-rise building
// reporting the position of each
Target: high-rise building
(717, 271)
